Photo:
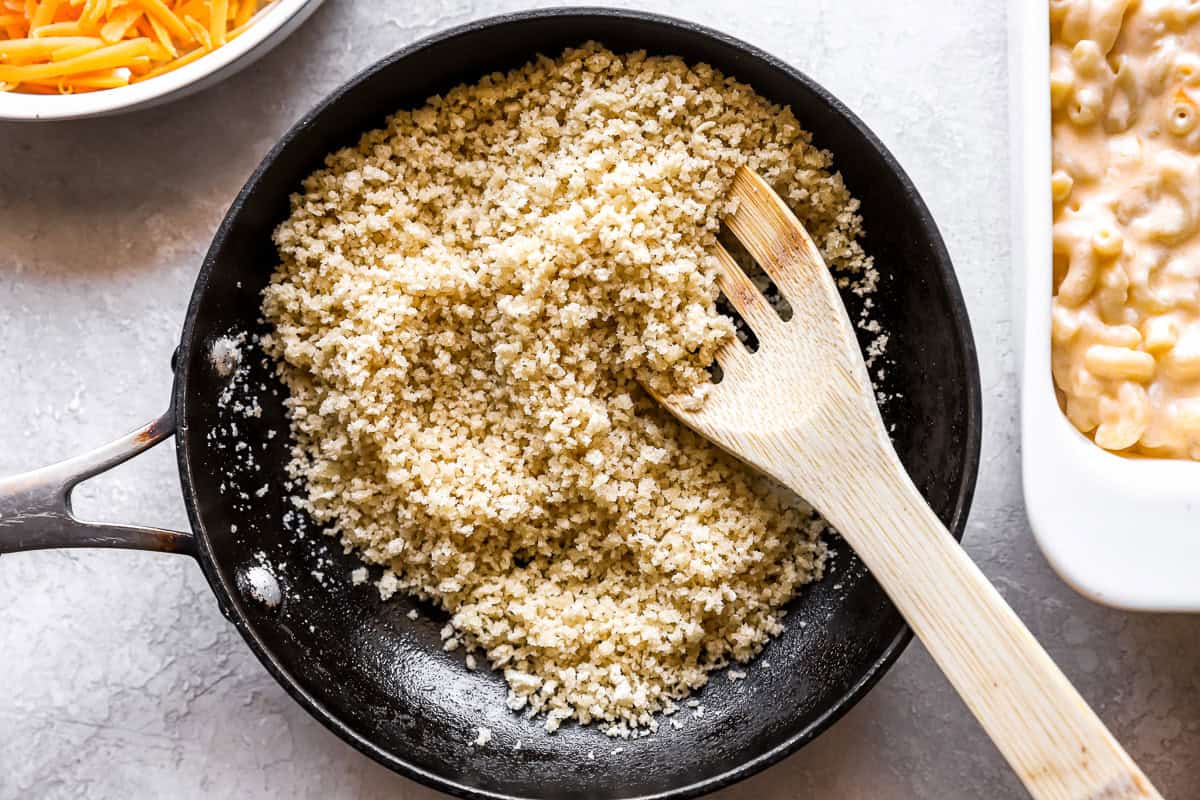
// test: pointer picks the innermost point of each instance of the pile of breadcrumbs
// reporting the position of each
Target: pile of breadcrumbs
(465, 305)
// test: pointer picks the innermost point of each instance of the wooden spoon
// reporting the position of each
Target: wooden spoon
(801, 409)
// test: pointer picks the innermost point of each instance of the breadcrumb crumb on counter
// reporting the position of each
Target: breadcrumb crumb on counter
(466, 306)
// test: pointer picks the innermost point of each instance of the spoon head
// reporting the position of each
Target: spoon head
(807, 375)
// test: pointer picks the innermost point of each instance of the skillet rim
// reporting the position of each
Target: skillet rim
(226, 592)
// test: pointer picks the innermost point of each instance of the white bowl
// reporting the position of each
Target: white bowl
(1123, 532)
(272, 26)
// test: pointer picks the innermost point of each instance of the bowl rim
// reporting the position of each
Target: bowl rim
(20, 107)
(227, 594)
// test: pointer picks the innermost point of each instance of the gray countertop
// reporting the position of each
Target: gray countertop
(120, 677)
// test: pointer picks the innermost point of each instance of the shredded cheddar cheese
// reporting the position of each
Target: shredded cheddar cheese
(67, 46)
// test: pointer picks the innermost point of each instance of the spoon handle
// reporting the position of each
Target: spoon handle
(1056, 744)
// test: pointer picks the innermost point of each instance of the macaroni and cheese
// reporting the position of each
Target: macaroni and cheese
(1125, 94)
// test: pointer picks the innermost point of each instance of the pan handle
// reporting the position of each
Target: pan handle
(35, 507)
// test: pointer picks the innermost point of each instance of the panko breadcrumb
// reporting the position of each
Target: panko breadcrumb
(466, 304)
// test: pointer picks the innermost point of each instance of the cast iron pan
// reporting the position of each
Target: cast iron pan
(380, 680)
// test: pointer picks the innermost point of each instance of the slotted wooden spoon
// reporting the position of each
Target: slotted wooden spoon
(801, 409)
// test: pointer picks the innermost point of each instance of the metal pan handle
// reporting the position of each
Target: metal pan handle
(35, 507)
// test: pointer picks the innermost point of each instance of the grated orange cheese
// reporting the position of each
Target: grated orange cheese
(119, 23)
(218, 21)
(44, 13)
(66, 46)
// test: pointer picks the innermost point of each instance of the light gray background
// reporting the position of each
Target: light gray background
(118, 676)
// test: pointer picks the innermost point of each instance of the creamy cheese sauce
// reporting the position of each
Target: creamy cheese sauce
(1125, 94)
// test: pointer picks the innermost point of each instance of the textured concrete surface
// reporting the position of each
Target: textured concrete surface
(120, 678)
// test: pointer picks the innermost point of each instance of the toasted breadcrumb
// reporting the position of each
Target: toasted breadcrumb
(465, 306)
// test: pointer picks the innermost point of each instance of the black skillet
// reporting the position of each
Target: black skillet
(381, 680)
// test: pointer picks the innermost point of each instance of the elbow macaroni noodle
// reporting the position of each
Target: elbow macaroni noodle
(1125, 98)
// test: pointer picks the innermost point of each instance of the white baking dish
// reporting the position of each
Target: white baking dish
(1123, 532)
